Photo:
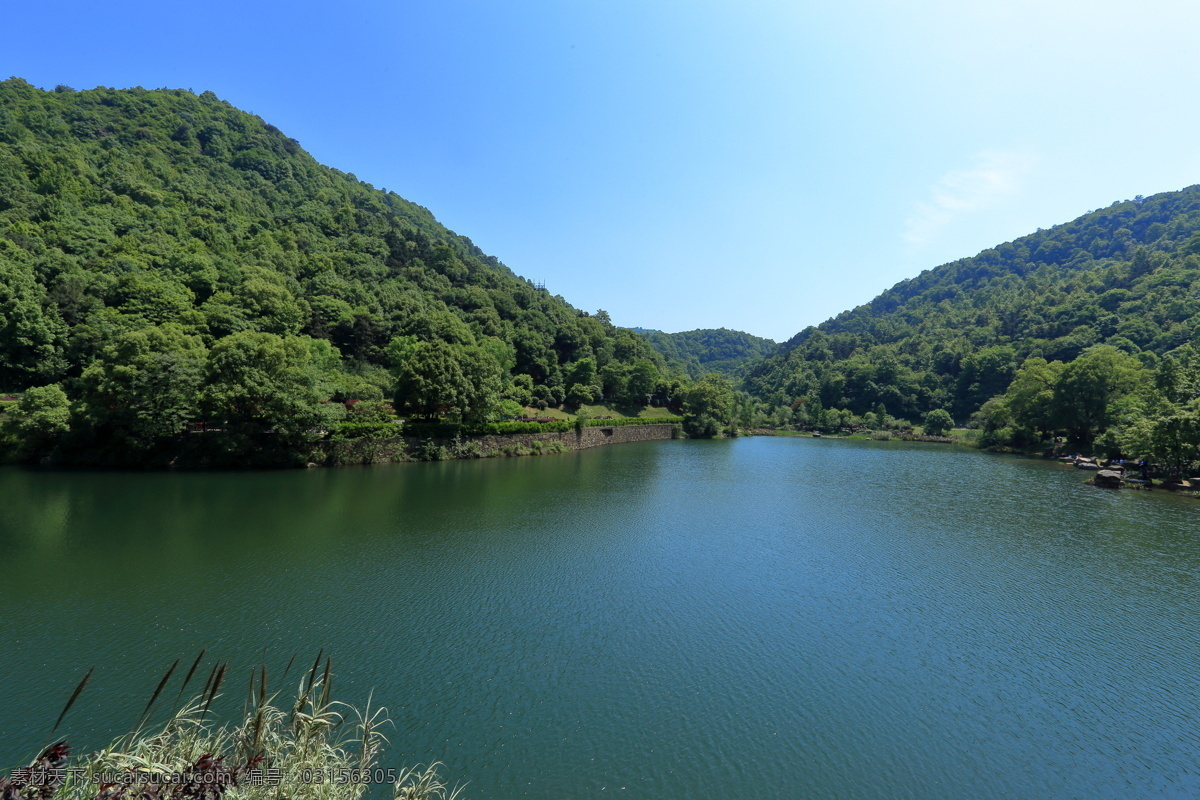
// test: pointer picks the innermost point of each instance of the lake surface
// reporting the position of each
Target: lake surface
(768, 617)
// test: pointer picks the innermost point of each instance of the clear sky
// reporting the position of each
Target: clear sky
(760, 166)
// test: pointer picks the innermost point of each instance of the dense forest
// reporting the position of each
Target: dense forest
(168, 261)
(170, 264)
(699, 352)
(1084, 331)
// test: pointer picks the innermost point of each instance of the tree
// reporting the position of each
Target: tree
(31, 333)
(1029, 399)
(1168, 436)
(42, 418)
(994, 420)
(483, 373)
(399, 350)
(1088, 386)
(156, 297)
(508, 409)
(269, 306)
(1177, 375)
(1175, 439)
(614, 377)
(707, 406)
(985, 373)
(830, 420)
(430, 379)
(145, 387)
(521, 390)
(441, 377)
(1140, 264)
(262, 389)
(938, 422)
(582, 371)
(578, 395)
(642, 380)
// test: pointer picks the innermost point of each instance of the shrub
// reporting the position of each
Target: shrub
(431, 430)
(701, 426)
(505, 428)
(370, 411)
(623, 421)
(998, 437)
(364, 430)
(431, 451)
(938, 422)
(465, 449)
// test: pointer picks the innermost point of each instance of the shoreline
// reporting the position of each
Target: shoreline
(407, 449)
(403, 449)
(869, 437)
(1056, 452)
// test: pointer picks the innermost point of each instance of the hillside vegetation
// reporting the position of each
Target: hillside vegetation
(1080, 331)
(699, 352)
(170, 264)
(168, 261)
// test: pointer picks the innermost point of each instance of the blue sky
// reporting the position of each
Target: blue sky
(758, 166)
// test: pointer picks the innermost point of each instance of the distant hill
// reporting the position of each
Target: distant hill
(1127, 276)
(721, 350)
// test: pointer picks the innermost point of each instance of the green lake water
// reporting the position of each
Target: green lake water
(767, 617)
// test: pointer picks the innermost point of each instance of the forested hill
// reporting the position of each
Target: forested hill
(953, 337)
(697, 352)
(160, 242)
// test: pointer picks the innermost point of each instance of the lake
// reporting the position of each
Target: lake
(765, 617)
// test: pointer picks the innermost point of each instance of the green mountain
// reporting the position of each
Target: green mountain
(697, 352)
(165, 257)
(1127, 276)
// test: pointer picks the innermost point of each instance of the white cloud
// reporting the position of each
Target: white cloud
(994, 176)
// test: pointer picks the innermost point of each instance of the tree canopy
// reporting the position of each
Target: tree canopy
(166, 258)
(954, 336)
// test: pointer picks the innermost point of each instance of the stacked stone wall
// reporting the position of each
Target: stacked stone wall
(580, 440)
(407, 448)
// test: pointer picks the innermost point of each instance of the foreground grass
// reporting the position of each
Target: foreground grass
(309, 748)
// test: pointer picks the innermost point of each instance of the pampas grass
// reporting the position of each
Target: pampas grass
(309, 748)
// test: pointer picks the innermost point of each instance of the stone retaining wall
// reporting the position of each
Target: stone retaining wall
(407, 448)
(579, 440)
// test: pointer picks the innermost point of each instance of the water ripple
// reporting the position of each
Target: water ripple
(774, 617)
